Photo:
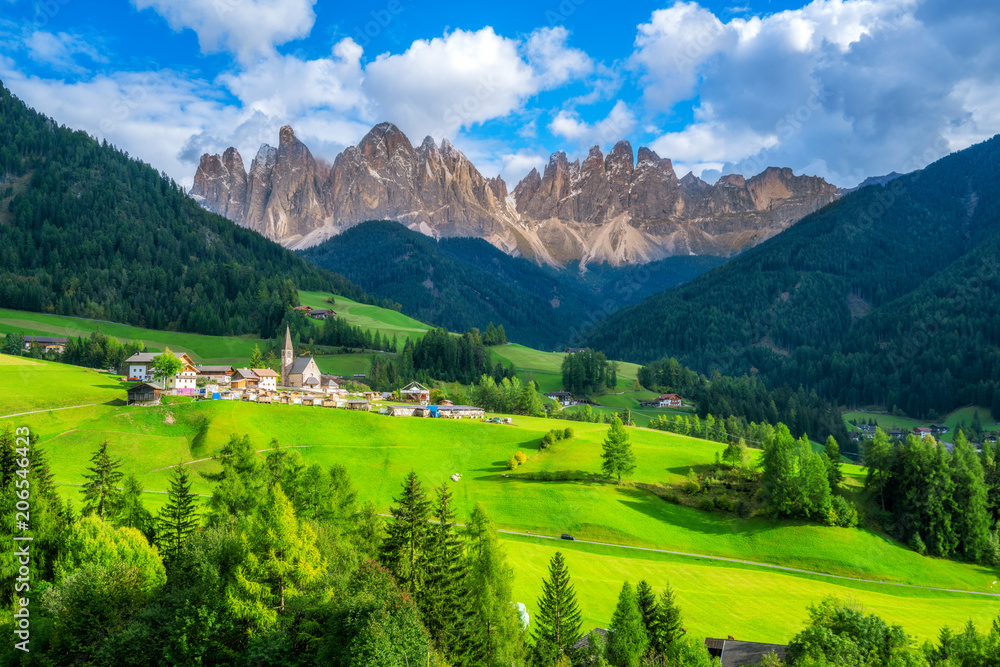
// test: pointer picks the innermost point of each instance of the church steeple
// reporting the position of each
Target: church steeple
(287, 355)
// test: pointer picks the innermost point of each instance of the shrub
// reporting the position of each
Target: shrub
(706, 504)
(671, 497)
(724, 503)
(521, 457)
(546, 441)
(917, 544)
(845, 511)
(691, 487)
(557, 434)
(511, 463)
(567, 433)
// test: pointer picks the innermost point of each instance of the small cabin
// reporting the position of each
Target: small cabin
(144, 393)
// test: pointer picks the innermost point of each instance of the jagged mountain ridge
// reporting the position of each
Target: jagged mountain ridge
(612, 209)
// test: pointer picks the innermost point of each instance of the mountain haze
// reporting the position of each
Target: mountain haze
(618, 209)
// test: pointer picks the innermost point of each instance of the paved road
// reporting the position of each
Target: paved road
(32, 412)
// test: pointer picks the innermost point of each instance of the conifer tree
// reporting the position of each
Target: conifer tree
(133, 514)
(443, 607)
(972, 521)
(626, 637)
(558, 621)
(667, 626)
(617, 457)
(645, 597)
(256, 358)
(178, 518)
(404, 551)
(100, 492)
(832, 452)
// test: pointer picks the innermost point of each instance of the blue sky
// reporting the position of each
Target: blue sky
(838, 88)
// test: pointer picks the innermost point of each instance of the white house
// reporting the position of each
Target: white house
(139, 365)
(185, 382)
(267, 380)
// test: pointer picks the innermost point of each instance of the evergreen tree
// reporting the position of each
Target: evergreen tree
(178, 518)
(972, 520)
(100, 493)
(558, 621)
(646, 599)
(627, 639)
(878, 460)
(667, 628)
(404, 551)
(256, 358)
(132, 513)
(443, 599)
(832, 453)
(239, 485)
(617, 457)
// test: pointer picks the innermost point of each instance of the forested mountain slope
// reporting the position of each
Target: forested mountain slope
(86, 230)
(460, 283)
(887, 295)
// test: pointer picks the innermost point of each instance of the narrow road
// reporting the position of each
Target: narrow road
(32, 412)
(756, 564)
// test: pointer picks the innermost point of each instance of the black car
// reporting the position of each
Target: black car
(567, 536)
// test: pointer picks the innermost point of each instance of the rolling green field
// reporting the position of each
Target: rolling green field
(950, 420)
(378, 451)
(546, 367)
(27, 385)
(215, 349)
(367, 317)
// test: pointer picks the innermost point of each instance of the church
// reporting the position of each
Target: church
(298, 373)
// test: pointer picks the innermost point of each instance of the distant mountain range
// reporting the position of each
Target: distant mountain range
(889, 296)
(617, 209)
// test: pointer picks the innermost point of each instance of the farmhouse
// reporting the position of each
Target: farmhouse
(563, 397)
(415, 392)
(733, 653)
(303, 309)
(575, 350)
(359, 404)
(328, 384)
(139, 365)
(46, 343)
(144, 393)
(666, 401)
(921, 431)
(267, 380)
(321, 314)
(217, 374)
(245, 378)
(185, 382)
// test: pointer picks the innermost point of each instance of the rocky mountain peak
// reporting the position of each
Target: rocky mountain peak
(620, 207)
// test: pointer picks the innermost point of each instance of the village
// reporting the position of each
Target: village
(300, 382)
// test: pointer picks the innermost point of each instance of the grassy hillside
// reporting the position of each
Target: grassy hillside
(366, 316)
(378, 451)
(546, 367)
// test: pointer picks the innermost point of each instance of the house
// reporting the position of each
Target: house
(302, 309)
(246, 377)
(217, 374)
(733, 653)
(139, 365)
(921, 431)
(144, 393)
(415, 392)
(939, 428)
(359, 404)
(667, 401)
(563, 397)
(46, 343)
(321, 314)
(185, 382)
(574, 350)
(267, 380)
(330, 385)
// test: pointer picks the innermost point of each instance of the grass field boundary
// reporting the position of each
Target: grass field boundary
(34, 412)
(753, 563)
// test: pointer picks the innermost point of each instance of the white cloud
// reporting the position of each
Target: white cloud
(247, 28)
(841, 88)
(553, 61)
(59, 50)
(439, 86)
(517, 165)
(617, 125)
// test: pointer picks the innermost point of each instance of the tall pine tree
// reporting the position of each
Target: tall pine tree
(627, 638)
(558, 621)
(100, 492)
(617, 457)
(443, 599)
(178, 518)
(404, 551)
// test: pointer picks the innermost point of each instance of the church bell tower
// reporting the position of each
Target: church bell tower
(287, 355)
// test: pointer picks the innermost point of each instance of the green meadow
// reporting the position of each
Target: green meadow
(365, 316)
(379, 451)
(951, 420)
(546, 367)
